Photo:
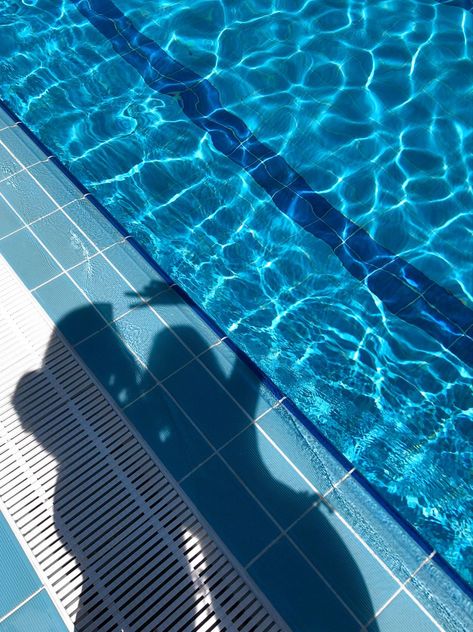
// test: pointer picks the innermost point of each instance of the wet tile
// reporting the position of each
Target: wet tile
(55, 183)
(9, 221)
(21, 145)
(38, 614)
(402, 614)
(68, 245)
(26, 197)
(93, 223)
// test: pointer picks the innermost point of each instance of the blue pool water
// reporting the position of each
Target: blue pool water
(370, 105)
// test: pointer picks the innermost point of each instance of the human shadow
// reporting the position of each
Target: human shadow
(79, 483)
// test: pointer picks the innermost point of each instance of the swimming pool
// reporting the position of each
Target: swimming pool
(350, 97)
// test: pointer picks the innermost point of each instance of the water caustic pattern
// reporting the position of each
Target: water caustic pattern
(370, 103)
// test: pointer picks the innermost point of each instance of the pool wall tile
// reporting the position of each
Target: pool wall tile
(302, 598)
(232, 512)
(311, 458)
(449, 605)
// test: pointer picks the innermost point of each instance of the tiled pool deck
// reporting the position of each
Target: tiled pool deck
(295, 515)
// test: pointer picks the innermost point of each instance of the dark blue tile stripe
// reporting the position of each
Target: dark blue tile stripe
(265, 380)
(404, 290)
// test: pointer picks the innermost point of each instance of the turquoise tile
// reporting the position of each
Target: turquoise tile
(269, 476)
(230, 510)
(192, 330)
(38, 614)
(68, 245)
(114, 366)
(168, 432)
(388, 540)
(208, 405)
(402, 614)
(24, 149)
(445, 601)
(72, 313)
(137, 270)
(93, 223)
(343, 561)
(28, 258)
(54, 181)
(5, 119)
(9, 221)
(152, 342)
(298, 593)
(26, 197)
(240, 380)
(18, 580)
(8, 164)
(312, 459)
(103, 285)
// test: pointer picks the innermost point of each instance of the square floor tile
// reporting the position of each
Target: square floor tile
(72, 313)
(269, 476)
(18, 580)
(351, 570)
(38, 614)
(402, 614)
(230, 510)
(208, 405)
(68, 245)
(93, 223)
(28, 258)
(168, 432)
(9, 221)
(26, 197)
(310, 457)
(298, 593)
(153, 342)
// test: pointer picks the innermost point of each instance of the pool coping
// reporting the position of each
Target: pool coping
(266, 381)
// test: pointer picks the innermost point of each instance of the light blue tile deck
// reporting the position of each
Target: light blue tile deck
(205, 401)
(22, 147)
(38, 614)
(9, 221)
(269, 476)
(344, 562)
(18, 580)
(28, 258)
(168, 432)
(67, 244)
(302, 598)
(232, 512)
(95, 225)
(387, 539)
(23, 194)
(59, 298)
(402, 614)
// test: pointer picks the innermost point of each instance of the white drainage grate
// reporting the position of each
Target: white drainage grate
(118, 546)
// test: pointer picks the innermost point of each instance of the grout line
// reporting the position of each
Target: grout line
(339, 482)
(336, 513)
(25, 168)
(399, 591)
(2, 129)
(25, 601)
(38, 219)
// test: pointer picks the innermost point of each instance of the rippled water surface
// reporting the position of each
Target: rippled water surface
(371, 103)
